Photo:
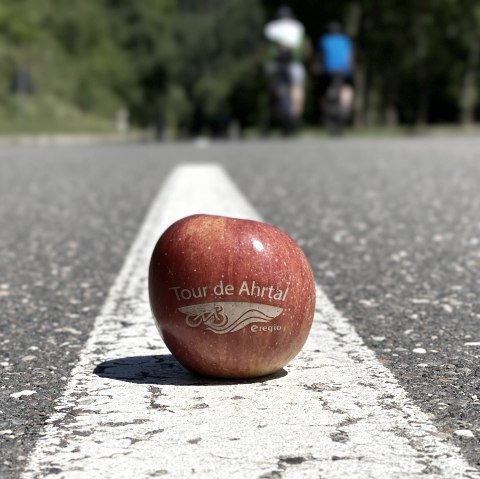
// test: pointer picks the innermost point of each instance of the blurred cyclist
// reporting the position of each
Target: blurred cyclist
(335, 50)
(286, 49)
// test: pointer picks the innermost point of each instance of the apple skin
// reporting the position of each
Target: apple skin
(253, 298)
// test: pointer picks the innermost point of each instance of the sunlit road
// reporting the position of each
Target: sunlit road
(391, 227)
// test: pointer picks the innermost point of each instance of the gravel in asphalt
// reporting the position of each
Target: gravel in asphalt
(391, 227)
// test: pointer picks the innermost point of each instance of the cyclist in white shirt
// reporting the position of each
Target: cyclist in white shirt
(287, 45)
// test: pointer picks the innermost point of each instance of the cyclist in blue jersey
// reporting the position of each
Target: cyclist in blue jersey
(335, 52)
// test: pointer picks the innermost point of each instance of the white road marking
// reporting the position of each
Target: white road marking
(337, 413)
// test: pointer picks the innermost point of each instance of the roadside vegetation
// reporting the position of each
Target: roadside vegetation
(183, 67)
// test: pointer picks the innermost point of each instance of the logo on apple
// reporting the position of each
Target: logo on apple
(228, 316)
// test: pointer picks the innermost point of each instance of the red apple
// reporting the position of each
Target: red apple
(232, 298)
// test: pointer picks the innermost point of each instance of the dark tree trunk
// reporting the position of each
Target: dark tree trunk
(373, 100)
(390, 102)
(359, 78)
(422, 76)
(353, 22)
(468, 98)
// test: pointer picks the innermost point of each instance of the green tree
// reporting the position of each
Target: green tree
(219, 73)
(145, 30)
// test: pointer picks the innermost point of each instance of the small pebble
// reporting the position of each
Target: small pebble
(419, 351)
(68, 330)
(27, 392)
(368, 303)
(420, 301)
(29, 358)
(464, 433)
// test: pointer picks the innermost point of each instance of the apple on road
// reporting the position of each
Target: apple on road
(232, 298)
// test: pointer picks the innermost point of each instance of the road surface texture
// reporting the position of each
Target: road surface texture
(391, 227)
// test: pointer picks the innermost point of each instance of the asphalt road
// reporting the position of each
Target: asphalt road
(391, 227)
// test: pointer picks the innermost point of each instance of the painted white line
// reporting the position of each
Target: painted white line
(337, 413)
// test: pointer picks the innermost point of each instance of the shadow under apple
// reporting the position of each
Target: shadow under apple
(164, 369)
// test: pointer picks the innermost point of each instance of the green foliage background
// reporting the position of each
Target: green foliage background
(186, 66)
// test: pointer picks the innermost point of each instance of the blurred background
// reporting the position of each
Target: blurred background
(182, 68)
